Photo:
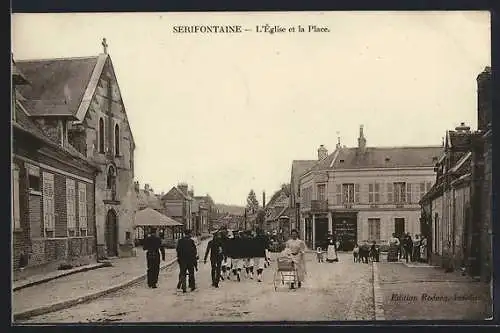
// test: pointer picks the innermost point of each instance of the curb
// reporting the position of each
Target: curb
(89, 297)
(35, 283)
(378, 298)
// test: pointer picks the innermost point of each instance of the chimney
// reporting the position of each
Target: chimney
(462, 128)
(183, 187)
(136, 186)
(361, 141)
(484, 99)
(338, 141)
(322, 153)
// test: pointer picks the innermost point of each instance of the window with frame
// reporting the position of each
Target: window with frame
(82, 208)
(399, 193)
(33, 178)
(16, 216)
(373, 229)
(374, 193)
(348, 193)
(70, 207)
(48, 204)
(321, 192)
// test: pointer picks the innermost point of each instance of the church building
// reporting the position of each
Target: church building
(79, 99)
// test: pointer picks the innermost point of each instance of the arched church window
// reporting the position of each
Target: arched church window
(117, 140)
(101, 135)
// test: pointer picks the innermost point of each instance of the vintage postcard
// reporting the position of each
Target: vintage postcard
(251, 167)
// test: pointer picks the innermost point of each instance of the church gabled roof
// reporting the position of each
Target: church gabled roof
(62, 87)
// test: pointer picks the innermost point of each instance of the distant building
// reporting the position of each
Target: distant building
(179, 204)
(456, 212)
(365, 193)
(278, 212)
(147, 198)
(78, 100)
(299, 167)
(53, 189)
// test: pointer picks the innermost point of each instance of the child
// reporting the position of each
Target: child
(355, 253)
(225, 268)
(319, 254)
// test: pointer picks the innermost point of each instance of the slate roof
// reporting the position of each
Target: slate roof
(62, 87)
(381, 157)
(150, 217)
(56, 86)
(24, 123)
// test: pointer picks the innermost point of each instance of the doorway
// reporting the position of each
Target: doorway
(320, 232)
(345, 229)
(111, 234)
(399, 226)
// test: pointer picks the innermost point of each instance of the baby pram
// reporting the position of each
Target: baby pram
(286, 273)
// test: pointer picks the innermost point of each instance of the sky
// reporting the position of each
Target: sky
(227, 113)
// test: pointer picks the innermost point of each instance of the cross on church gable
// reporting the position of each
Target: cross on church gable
(105, 45)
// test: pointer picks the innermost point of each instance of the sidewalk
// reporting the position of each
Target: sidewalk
(70, 290)
(413, 292)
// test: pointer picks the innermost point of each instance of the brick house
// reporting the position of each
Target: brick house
(80, 98)
(365, 193)
(53, 217)
(278, 211)
(202, 213)
(456, 211)
(179, 205)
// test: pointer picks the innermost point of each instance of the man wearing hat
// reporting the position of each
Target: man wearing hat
(187, 256)
(153, 247)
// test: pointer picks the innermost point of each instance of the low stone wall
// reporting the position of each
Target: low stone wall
(50, 250)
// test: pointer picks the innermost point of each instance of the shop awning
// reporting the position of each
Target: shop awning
(149, 217)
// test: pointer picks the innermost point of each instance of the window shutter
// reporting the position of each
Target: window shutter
(370, 193)
(377, 192)
(48, 201)
(82, 198)
(339, 194)
(389, 193)
(15, 198)
(408, 193)
(356, 193)
(70, 203)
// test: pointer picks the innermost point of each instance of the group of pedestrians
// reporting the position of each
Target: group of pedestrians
(232, 255)
(406, 248)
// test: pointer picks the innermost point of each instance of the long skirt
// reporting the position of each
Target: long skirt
(300, 264)
(392, 255)
(331, 254)
(423, 253)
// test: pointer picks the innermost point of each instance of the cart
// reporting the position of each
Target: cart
(286, 273)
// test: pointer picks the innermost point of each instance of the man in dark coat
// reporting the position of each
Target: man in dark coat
(153, 247)
(187, 255)
(407, 247)
(216, 250)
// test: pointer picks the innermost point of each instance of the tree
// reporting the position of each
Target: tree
(252, 202)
